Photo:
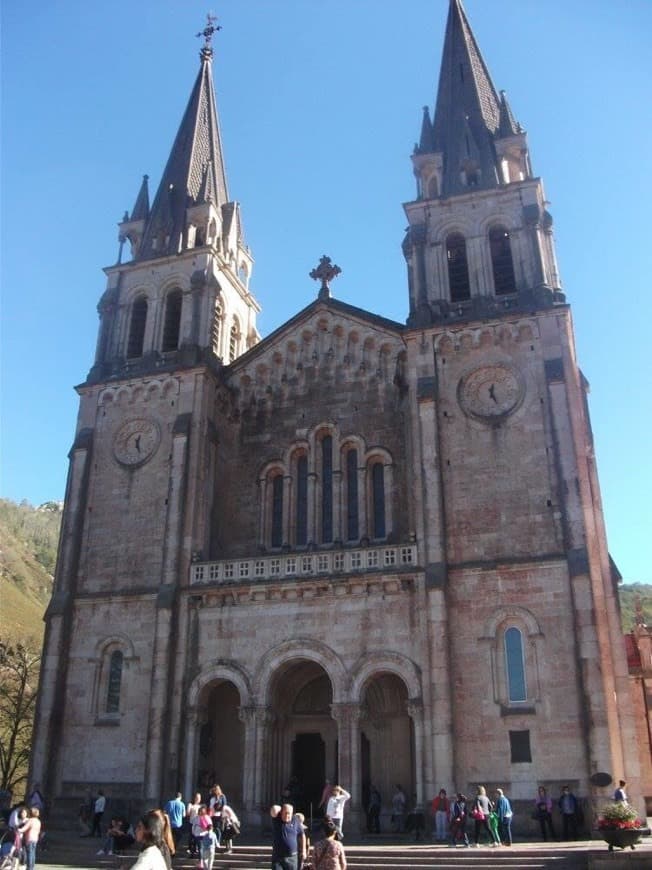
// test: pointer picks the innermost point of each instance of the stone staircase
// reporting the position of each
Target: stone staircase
(414, 857)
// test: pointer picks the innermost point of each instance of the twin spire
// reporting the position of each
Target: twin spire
(194, 173)
(469, 114)
(473, 126)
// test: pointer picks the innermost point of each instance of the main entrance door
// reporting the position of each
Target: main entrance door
(303, 737)
(309, 769)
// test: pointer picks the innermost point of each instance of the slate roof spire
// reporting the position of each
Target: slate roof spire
(196, 153)
(467, 111)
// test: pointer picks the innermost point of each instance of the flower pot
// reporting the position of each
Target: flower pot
(623, 838)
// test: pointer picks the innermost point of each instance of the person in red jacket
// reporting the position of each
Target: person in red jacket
(440, 808)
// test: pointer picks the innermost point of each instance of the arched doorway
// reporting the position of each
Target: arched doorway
(303, 736)
(221, 741)
(386, 739)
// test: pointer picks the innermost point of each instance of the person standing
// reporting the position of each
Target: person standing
(568, 810)
(98, 811)
(505, 814)
(328, 854)
(458, 821)
(373, 811)
(543, 803)
(482, 807)
(335, 806)
(440, 808)
(230, 827)
(620, 795)
(192, 811)
(176, 810)
(149, 836)
(288, 838)
(398, 809)
(30, 831)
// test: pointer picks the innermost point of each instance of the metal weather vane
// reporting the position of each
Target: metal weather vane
(208, 31)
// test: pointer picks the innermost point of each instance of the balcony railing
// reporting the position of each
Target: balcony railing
(299, 565)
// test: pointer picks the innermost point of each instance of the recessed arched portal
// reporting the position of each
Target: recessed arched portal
(386, 738)
(303, 735)
(221, 740)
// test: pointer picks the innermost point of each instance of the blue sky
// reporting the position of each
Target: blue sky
(320, 104)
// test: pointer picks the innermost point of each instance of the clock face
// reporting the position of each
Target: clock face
(491, 393)
(136, 441)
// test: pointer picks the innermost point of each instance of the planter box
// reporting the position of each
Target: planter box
(623, 838)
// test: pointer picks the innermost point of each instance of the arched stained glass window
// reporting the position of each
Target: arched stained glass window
(277, 511)
(137, 328)
(172, 323)
(458, 268)
(114, 682)
(233, 340)
(216, 330)
(302, 501)
(515, 665)
(378, 500)
(352, 520)
(327, 489)
(502, 263)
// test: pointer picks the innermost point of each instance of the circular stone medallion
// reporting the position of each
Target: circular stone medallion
(491, 393)
(136, 441)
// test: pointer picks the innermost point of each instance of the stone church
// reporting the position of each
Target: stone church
(355, 549)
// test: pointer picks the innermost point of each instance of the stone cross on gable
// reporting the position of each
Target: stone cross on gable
(325, 273)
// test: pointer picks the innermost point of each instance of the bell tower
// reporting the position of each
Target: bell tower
(180, 290)
(479, 237)
(176, 311)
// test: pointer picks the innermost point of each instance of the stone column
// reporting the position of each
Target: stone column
(195, 718)
(264, 717)
(250, 762)
(415, 712)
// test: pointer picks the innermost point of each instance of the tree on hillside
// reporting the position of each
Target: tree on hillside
(19, 670)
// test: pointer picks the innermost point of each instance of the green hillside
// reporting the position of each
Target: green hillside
(28, 550)
(629, 594)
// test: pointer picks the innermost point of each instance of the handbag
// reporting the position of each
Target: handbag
(477, 813)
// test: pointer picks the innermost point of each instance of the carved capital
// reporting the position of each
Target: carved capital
(346, 712)
(414, 708)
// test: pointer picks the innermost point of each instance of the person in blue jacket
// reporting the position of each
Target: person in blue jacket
(504, 813)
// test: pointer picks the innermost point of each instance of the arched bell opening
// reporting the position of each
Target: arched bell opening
(220, 749)
(303, 736)
(387, 751)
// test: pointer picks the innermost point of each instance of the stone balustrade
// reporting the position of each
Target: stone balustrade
(298, 565)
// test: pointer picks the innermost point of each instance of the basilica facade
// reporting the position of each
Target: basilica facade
(355, 549)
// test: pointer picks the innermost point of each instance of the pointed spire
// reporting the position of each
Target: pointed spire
(467, 112)
(141, 207)
(196, 154)
(426, 144)
(507, 124)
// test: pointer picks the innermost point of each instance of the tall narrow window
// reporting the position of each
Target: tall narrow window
(233, 341)
(302, 501)
(137, 328)
(378, 499)
(216, 330)
(277, 511)
(515, 665)
(352, 522)
(172, 323)
(501, 261)
(114, 682)
(458, 268)
(327, 489)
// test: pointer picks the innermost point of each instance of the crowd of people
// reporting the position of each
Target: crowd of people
(212, 824)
